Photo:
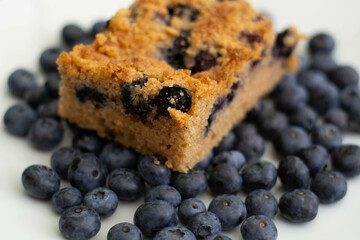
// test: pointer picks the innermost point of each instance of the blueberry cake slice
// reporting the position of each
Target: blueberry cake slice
(171, 77)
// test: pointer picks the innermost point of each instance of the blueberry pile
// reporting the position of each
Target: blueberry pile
(305, 118)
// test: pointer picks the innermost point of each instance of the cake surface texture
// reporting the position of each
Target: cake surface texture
(172, 77)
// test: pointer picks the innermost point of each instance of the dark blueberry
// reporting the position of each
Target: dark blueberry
(52, 83)
(48, 109)
(258, 227)
(19, 118)
(98, 27)
(174, 233)
(245, 129)
(86, 40)
(316, 158)
(346, 159)
(344, 76)
(252, 146)
(328, 136)
(88, 142)
(36, 96)
(79, 222)
(323, 97)
(304, 117)
(311, 78)
(21, 81)
(133, 102)
(90, 94)
(184, 11)
(291, 97)
(217, 237)
(86, 172)
(255, 111)
(164, 192)
(153, 170)
(354, 116)
(175, 55)
(66, 198)
(190, 184)
(62, 158)
(227, 143)
(321, 43)
(188, 208)
(349, 95)
(40, 181)
(75, 129)
(304, 63)
(230, 210)
(204, 224)
(287, 80)
(45, 133)
(48, 59)
(173, 97)
(234, 158)
(71, 34)
(281, 48)
(299, 206)
(323, 62)
(225, 179)
(250, 37)
(291, 140)
(204, 60)
(116, 156)
(270, 122)
(259, 175)
(329, 186)
(126, 183)
(337, 117)
(153, 216)
(124, 231)
(293, 173)
(102, 200)
(261, 202)
(204, 164)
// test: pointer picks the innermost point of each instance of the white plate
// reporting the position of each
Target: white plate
(29, 26)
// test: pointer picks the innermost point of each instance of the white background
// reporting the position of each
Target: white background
(29, 26)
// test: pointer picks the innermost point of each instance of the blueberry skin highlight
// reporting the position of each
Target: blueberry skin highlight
(79, 222)
(19, 118)
(258, 228)
(225, 179)
(48, 59)
(40, 181)
(153, 216)
(316, 158)
(337, 117)
(291, 141)
(293, 173)
(102, 200)
(21, 81)
(204, 224)
(299, 206)
(234, 158)
(188, 208)
(344, 76)
(230, 210)
(72, 33)
(86, 172)
(62, 158)
(346, 159)
(329, 186)
(126, 183)
(190, 184)
(321, 43)
(66, 198)
(261, 202)
(174, 233)
(116, 156)
(259, 175)
(164, 192)
(153, 170)
(328, 136)
(124, 231)
(45, 134)
(311, 78)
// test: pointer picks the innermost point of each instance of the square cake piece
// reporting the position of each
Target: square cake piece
(172, 77)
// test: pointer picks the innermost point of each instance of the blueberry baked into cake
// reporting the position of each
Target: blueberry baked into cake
(172, 77)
